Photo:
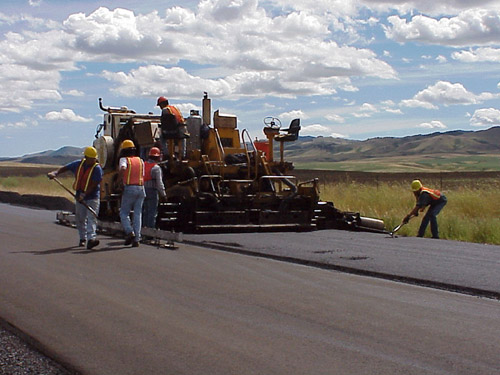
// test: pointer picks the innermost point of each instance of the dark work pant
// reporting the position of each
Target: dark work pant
(431, 216)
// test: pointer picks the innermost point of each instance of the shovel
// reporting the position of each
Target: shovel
(398, 227)
(74, 196)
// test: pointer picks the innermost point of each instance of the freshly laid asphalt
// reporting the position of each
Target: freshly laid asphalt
(118, 310)
(451, 265)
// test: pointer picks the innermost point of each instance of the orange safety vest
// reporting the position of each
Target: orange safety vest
(178, 116)
(134, 174)
(147, 170)
(435, 194)
(82, 177)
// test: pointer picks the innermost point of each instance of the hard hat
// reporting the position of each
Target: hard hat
(416, 185)
(161, 99)
(127, 143)
(90, 152)
(154, 151)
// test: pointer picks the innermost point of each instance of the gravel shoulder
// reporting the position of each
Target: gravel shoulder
(19, 358)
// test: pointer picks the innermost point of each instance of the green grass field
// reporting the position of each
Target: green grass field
(448, 163)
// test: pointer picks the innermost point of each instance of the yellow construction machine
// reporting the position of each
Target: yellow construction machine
(219, 179)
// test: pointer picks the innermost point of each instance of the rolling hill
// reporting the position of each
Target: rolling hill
(445, 151)
(61, 156)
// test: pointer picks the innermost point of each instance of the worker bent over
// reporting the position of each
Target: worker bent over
(88, 175)
(426, 197)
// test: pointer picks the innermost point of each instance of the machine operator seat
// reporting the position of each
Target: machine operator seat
(291, 135)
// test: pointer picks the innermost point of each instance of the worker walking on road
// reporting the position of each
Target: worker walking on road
(88, 176)
(131, 172)
(426, 197)
(153, 184)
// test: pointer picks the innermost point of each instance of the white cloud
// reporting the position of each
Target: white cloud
(21, 86)
(314, 130)
(486, 54)
(445, 93)
(470, 27)
(432, 125)
(335, 118)
(441, 59)
(338, 135)
(74, 93)
(25, 123)
(255, 52)
(65, 115)
(293, 114)
(485, 117)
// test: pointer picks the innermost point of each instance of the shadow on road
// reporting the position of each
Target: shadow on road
(80, 250)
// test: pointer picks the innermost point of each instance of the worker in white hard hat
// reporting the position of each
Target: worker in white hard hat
(88, 176)
(426, 197)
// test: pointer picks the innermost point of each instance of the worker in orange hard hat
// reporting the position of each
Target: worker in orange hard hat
(153, 184)
(131, 172)
(173, 125)
(426, 197)
(88, 176)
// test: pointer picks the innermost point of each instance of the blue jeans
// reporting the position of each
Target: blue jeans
(132, 199)
(431, 216)
(150, 208)
(86, 222)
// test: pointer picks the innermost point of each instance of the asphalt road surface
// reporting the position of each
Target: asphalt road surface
(147, 310)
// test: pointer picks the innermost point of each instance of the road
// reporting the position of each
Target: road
(119, 310)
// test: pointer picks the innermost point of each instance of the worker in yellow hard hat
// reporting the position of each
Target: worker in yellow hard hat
(131, 171)
(88, 176)
(426, 197)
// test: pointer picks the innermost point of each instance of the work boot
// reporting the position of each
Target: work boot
(92, 243)
(129, 239)
(81, 243)
(135, 244)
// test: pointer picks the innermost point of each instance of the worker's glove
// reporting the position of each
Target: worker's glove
(406, 220)
(52, 175)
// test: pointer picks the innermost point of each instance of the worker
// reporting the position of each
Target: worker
(173, 126)
(426, 197)
(131, 173)
(153, 185)
(88, 176)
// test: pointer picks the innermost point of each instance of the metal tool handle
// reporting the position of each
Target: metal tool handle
(74, 195)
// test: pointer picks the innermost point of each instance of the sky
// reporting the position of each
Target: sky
(353, 69)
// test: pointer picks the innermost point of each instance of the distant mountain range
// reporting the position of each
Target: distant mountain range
(59, 157)
(329, 149)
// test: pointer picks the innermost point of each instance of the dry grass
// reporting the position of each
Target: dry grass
(472, 213)
(36, 185)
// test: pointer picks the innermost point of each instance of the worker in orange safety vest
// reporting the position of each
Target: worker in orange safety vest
(131, 172)
(173, 126)
(153, 184)
(88, 176)
(426, 197)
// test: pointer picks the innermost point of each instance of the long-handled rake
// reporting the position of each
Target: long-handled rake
(74, 196)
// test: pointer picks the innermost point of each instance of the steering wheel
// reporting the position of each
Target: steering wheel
(272, 122)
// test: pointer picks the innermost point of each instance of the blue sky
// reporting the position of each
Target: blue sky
(355, 69)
